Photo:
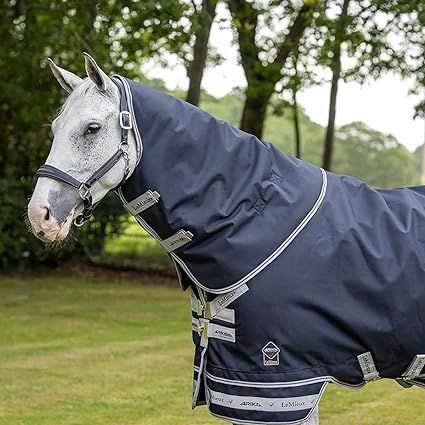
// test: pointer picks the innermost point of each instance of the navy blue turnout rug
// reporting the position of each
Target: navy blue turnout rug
(299, 277)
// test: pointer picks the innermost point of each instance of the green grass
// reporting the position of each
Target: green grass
(78, 352)
(136, 248)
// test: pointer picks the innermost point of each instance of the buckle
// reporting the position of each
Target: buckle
(125, 120)
(79, 220)
(124, 147)
(203, 330)
(83, 191)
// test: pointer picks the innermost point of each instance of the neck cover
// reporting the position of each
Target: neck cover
(299, 277)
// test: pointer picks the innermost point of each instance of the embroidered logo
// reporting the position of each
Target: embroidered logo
(276, 178)
(271, 354)
(259, 205)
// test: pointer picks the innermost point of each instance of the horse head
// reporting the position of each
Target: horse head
(79, 170)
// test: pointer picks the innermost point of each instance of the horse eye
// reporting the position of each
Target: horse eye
(93, 129)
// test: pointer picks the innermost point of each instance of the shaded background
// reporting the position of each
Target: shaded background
(81, 340)
(284, 47)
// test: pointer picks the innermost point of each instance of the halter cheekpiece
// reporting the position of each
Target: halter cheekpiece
(83, 188)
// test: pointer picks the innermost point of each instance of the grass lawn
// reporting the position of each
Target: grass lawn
(136, 248)
(91, 351)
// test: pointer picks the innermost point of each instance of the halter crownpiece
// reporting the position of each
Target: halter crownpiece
(83, 188)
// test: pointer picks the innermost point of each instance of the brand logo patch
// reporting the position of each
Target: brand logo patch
(271, 354)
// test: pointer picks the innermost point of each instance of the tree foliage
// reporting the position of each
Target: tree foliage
(282, 44)
(29, 95)
(201, 27)
(377, 158)
(265, 47)
(364, 40)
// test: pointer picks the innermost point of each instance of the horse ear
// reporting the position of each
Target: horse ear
(66, 79)
(95, 74)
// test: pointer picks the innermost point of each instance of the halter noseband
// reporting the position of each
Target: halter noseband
(83, 188)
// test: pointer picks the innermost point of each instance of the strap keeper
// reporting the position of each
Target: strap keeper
(221, 332)
(142, 202)
(125, 120)
(179, 239)
(415, 368)
(222, 301)
(370, 373)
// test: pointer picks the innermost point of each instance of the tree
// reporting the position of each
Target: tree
(373, 156)
(29, 95)
(339, 36)
(202, 22)
(148, 30)
(417, 58)
(297, 75)
(179, 28)
(263, 58)
(373, 37)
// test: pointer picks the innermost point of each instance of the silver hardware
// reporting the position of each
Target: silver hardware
(83, 191)
(370, 373)
(78, 223)
(415, 368)
(142, 202)
(182, 237)
(124, 126)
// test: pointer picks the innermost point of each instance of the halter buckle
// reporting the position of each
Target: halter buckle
(125, 120)
(83, 191)
(79, 220)
(124, 147)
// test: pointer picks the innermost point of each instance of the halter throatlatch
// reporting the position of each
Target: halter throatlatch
(83, 188)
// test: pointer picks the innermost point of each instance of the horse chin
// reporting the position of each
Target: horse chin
(57, 234)
(63, 232)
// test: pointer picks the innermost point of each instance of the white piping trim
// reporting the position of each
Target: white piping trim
(179, 275)
(246, 422)
(195, 325)
(263, 264)
(198, 382)
(273, 256)
(298, 383)
(139, 143)
(417, 383)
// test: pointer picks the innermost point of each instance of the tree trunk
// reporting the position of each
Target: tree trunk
(330, 130)
(262, 79)
(87, 30)
(254, 111)
(296, 124)
(196, 67)
(336, 74)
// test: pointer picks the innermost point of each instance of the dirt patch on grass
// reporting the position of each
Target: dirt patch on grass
(164, 277)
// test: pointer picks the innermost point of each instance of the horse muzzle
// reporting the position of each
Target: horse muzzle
(45, 226)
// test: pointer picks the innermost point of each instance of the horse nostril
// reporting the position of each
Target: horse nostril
(47, 215)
